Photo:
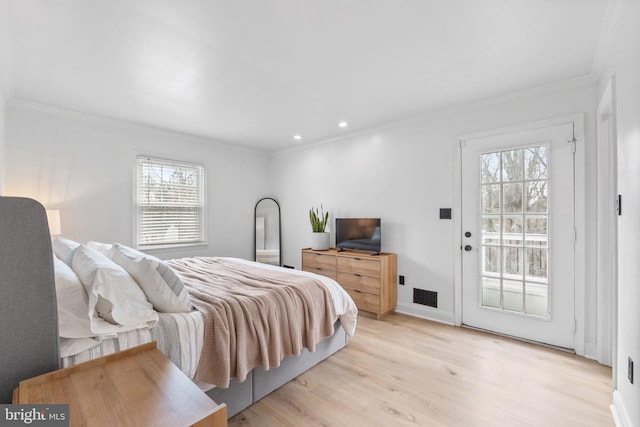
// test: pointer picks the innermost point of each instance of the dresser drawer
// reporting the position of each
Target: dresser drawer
(368, 279)
(367, 267)
(359, 282)
(311, 259)
(331, 274)
(365, 301)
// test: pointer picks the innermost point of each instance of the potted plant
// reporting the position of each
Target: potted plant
(319, 238)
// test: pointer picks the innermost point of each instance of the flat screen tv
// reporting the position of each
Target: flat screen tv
(358, 233)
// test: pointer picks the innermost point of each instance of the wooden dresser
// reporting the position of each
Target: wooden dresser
(369, 279)
(135, 387)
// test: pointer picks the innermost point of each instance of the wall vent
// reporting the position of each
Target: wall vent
(430, 298)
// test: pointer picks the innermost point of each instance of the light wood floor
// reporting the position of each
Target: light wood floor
(406, 371)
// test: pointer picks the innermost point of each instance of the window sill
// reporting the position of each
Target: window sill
(170, 247)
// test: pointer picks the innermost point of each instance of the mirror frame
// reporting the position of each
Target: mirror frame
(255, 215)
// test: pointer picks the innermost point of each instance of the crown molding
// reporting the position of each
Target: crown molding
(94, 118)
(585, 80)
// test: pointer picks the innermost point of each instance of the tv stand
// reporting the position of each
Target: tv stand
(370, 279)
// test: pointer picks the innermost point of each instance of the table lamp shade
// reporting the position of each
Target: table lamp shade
(53, 217)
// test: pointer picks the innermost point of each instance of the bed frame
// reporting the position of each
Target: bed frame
(29, 315)
(261, 382)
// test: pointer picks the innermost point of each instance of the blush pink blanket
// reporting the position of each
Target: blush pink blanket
(253, 316)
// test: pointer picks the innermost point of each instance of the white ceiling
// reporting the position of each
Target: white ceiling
(256, 72)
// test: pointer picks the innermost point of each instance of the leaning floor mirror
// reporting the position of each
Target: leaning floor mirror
(267, 231)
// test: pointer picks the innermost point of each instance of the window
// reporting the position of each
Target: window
(515, 233)
(171, 206)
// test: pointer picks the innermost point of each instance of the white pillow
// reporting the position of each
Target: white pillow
(103, 248)
(73, 303)
(162, 286)
(63, 248)
(113, 294)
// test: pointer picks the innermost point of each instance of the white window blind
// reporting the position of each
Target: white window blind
(170, 203)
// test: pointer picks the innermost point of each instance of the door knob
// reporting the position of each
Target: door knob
(467, 234)
(467, 248)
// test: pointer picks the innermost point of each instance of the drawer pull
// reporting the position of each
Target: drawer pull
(357, 275)
(356, 290)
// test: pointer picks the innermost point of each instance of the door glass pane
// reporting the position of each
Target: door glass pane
(512, 198)
(512, 169)
(536, 231)
(491, 229)
(536, 299)
(491, 292)
(491, 260)
(491, 198)
(535, 162)
(537, 267)
(536, 196)
(512, 232)
(513, 262)
(515, 232)
(512, 295)
(490, 167)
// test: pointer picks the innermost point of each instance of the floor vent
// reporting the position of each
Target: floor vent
(430, 298)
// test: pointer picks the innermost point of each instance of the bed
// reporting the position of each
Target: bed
(72, 303)
(240, 329)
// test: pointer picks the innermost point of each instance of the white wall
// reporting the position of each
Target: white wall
(620, 57)
(84, 166)
(404, 174)
(2, 141)
(5, 83)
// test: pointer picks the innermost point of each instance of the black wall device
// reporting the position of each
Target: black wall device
(445, 213)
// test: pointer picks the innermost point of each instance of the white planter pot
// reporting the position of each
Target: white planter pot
(320, 241)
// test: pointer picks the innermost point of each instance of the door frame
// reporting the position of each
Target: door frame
(580, 215)
(607, 231)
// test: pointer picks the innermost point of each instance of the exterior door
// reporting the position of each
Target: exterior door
(518, 234)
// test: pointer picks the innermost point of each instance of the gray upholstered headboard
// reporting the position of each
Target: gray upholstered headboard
(28, 310)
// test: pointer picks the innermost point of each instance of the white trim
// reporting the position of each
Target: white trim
(457, 233)
(425, 312)
(619, 412)
(580, 215)
(606, 228)
(123, 123)
(591, 351)
(585, 80)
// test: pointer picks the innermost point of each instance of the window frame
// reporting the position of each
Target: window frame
(137, 210)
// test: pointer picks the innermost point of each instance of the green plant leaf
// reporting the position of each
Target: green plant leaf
(318, 219)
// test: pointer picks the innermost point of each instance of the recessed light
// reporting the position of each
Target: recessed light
(343, 124)
(297, 137)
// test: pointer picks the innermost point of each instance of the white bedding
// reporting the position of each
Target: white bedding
(345, 307)
(180, 336)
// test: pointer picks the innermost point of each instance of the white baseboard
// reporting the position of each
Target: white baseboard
(425, 312)
(618, 411)
(591, 351)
